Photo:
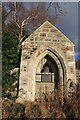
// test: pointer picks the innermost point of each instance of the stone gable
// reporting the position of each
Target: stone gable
(46, 47)
(51, 36)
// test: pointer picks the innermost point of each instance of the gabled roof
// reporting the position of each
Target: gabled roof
(48, 23)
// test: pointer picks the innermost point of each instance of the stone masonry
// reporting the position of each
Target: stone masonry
(47, 43)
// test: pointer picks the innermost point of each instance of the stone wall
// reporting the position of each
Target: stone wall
(47, 39)
(47, 34)
(78, 76)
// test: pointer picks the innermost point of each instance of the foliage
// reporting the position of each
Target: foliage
(43, 109)
(10, 49)
(52, 109)
(10, 60)
(12, 110)
(72, 106)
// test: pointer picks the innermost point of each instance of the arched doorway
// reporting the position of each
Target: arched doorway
(35, 69)
(50, 67)
(48, 76)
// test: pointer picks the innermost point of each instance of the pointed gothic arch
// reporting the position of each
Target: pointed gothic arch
(36, 58)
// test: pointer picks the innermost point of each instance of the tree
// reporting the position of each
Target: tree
(10, 60)
(29, 15)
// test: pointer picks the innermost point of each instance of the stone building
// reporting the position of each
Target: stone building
(47, 63)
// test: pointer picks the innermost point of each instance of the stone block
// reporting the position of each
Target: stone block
(43, 34)
(53, 30)
(45, 30)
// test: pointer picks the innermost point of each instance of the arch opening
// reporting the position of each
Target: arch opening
(37, 70)
(48, 70)
(48, 75)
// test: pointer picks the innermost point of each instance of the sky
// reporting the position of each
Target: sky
(70, 25)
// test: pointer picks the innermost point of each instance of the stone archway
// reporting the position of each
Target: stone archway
(49, 76)
(38, 55)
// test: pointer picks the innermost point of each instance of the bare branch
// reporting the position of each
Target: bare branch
(15, 16)
(24, 22)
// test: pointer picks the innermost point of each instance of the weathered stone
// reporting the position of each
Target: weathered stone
(78, 76)
(49, 34)
(53, 30)
(45, 30)
(31, 39)
(42, 34)
(47, 46)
